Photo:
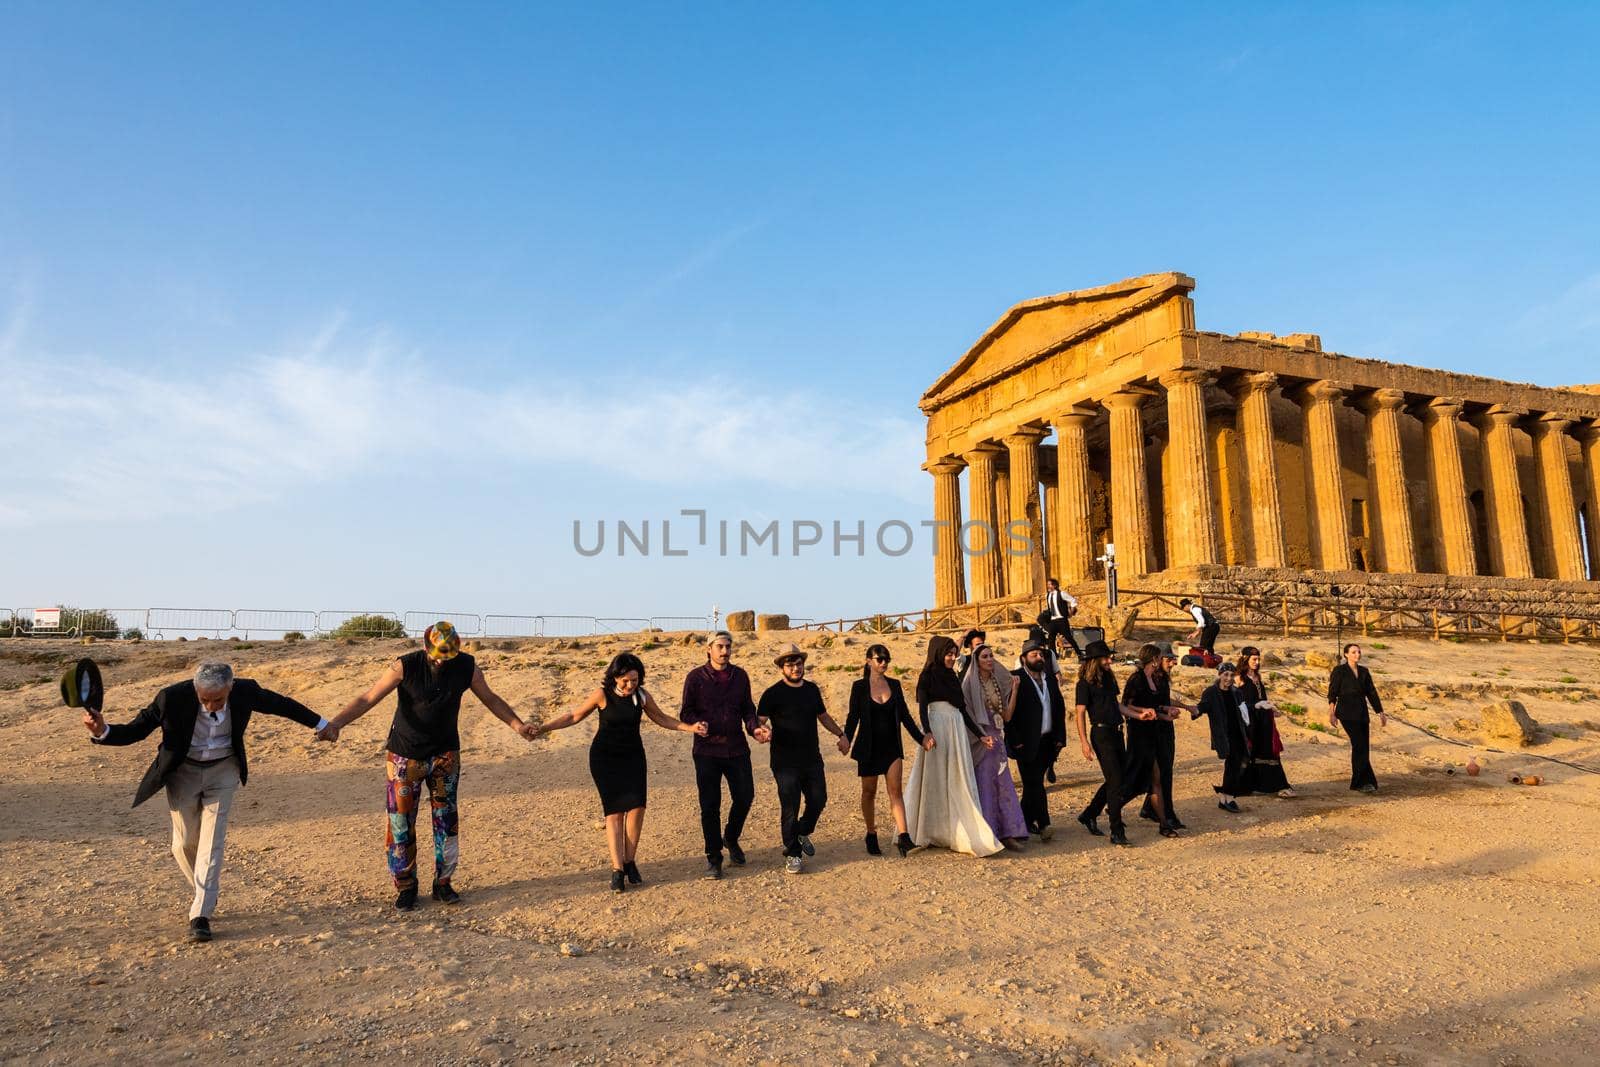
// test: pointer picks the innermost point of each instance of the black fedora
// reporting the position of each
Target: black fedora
(1096, 649)
(81, 686)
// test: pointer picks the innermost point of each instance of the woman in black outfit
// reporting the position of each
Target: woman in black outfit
(1223, 704)
(1097, 704)
(872, 738)
(1350, 693)
(616, 756)
(1266, 774)
(1152, 744)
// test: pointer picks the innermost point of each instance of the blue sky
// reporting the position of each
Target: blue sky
(342, 306)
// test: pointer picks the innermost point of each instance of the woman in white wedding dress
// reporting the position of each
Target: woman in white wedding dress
(942, 794)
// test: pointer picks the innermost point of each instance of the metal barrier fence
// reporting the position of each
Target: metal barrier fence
(166, 623)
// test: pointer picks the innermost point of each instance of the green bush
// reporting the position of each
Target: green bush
(12, 626)
(369, 626)
(133, 633)
(294, 635)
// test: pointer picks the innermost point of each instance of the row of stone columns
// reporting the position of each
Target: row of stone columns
(1000, 493)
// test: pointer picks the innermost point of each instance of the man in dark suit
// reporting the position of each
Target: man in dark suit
(201, 763)
(1035, 732)
(1056, 618)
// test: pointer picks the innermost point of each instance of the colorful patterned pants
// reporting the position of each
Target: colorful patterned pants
(407, 780)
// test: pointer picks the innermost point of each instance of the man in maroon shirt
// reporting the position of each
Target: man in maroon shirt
(718, 694)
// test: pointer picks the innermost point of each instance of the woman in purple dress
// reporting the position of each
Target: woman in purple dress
(987, 687)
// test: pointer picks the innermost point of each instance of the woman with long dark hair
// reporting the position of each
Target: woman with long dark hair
(1100, 714)
(1350, 693)
(1265, 773)
(1152, 743)
(872, 738)
(616, 756)
(986, 685)
(942, 795)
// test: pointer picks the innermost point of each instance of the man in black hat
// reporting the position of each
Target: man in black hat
(201, 764)
(1036, 729)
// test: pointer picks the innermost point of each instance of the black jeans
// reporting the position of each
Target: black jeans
(709, 771)
(794, 784)
(1208, 636)
(1359, 730)
(1052, 627)
(1035, 808)
(1113, 756)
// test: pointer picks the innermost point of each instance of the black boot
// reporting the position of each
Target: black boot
(872, 844)
(618, 883)
(1148, 811)
(631, 869)
(1091, 824)
(1118, 837)
(904, 844)
(442, 892)
(406, 900)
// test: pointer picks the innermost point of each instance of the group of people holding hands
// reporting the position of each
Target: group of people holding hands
(974, 716)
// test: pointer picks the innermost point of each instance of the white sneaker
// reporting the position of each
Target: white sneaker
(792, 865)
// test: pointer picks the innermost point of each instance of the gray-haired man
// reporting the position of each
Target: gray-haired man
(200, 763)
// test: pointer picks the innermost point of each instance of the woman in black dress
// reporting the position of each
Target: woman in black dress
(616, 756)
(1350, 693)
(1223, 704)
(1266, 774)
(872, 738)
(1152, 743)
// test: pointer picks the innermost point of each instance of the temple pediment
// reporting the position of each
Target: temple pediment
(1034, 328)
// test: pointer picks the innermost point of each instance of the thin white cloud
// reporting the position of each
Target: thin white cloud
(106, 442)
(1572, 317)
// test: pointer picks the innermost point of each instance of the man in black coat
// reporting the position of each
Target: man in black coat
(1035, 732)
(200, 763)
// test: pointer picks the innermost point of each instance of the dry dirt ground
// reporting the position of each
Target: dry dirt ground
(1447, 919)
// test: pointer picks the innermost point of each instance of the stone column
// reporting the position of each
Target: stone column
(1502, 491)
(1027, 572)
(1555, 489)
(1192, 514)
(1002, 509)
(1325, 475)
(1387, 472)
(984, 548)
(1253, 394)
(1130, 511)
(1449, 485)
(949, 582)
(1590, 437)
(1070, 518)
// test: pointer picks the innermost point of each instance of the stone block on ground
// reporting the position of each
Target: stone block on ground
(741, 622)
(768, 623)
(1508, 720)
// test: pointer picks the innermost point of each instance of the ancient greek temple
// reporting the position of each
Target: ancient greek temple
(1194, 452)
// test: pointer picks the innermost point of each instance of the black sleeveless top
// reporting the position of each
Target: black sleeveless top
(429, 705)
(619, 725)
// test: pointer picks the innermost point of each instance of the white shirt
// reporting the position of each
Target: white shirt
(213, 735)
(1062, 604)
(1042, 687)
(1199, 616)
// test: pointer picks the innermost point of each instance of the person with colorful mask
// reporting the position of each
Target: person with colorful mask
(424, 751)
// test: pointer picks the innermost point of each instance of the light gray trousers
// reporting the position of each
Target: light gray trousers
(199, 798)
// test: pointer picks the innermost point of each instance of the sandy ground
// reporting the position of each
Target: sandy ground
(1446, 920)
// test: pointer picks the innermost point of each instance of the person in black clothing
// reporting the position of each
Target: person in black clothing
(616, 756)
(1056, 618)
(1206, 626)
(424, 746)
(1265, 772)
(872, 738)
(791, 709)
(1152, 744)
(200, 763)
(1350, 693)
(1036, 729)
(1100, 714)
(717, 693)
(1223, 704)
